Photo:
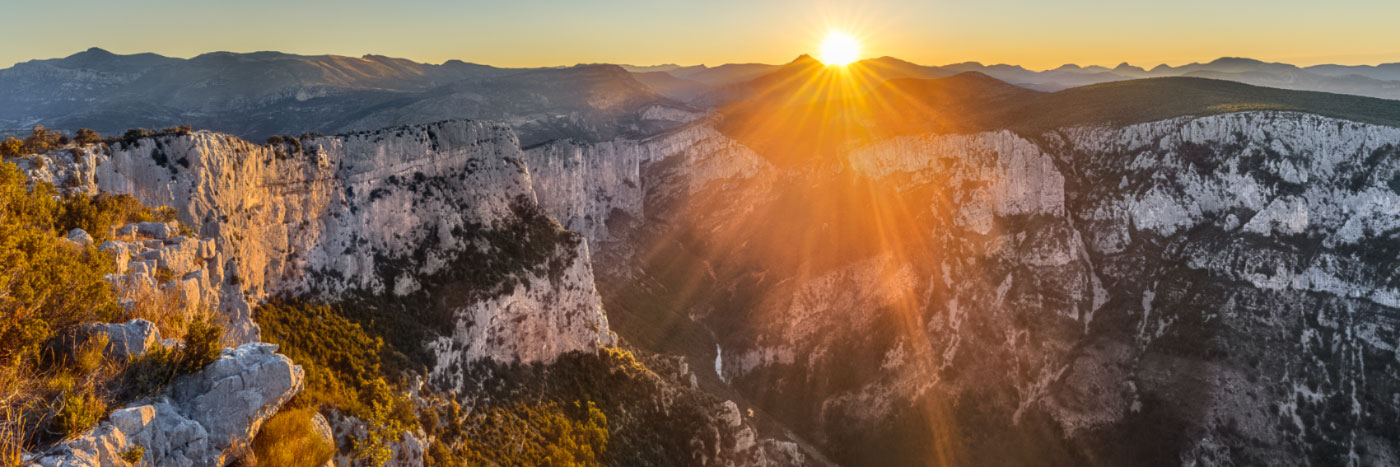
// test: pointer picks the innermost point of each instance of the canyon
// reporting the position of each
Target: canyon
(1213, 287)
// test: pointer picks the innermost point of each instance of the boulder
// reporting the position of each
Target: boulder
(126, 340)
(207, 418)
(121, 253)
(80, 237)
(158, 230)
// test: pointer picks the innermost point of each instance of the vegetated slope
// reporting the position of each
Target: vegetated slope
(664, 83)
(591, 102)
(723, 74)
(808, 112)
(805, 80)
(1380, 81)
(1153, 99)
(1119, 103)
(960, 103)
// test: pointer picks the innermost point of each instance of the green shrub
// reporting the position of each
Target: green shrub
(42, 139)
(11, 147)
(134, 454)
(288, 439)
(99, 214)
(160, 365)
(164, 274)
(203, 345)
(46, 285)
(86, 136)
(80, 409)
(149, 373)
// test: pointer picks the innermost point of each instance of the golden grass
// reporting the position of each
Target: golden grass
(288, 439)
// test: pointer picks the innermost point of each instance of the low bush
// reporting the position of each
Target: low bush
(42, 139)
(98, 215)
(160, 366)
(86, 136)
(131, 136)
(79, 409)
(134, 454)
(11, 147)
(288, 439)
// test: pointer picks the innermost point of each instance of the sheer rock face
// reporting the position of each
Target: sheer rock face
(204, 419)
(1222, 285)
(584, 185)
(378, 213)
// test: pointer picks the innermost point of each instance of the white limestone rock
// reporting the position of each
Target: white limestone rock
(79, 237)
(345, 214)
(206, 419)
(126, 340)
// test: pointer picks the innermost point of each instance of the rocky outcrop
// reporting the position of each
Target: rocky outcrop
(377, 213)
(205, 419)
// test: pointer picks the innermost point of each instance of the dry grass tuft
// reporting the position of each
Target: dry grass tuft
(288, 439)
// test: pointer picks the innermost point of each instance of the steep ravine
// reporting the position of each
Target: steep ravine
(1222, 286)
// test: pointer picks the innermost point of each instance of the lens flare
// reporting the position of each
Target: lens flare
(839, 49)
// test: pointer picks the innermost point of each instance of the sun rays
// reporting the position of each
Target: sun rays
(839, 49)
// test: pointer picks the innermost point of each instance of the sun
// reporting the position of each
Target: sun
(839, 49)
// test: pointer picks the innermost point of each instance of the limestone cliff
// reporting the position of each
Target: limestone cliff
(376, 212)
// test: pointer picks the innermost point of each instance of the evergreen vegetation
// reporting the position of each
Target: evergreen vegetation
(54, 382)
(344, 371)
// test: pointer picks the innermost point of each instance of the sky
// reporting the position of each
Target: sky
(520, 33)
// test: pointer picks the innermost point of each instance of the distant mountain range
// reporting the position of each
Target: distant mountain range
(1373, 81)
(259, 94)
(811, 111)
(255, 95)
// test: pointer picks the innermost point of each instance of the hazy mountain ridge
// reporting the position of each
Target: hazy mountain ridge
(1382, 81)
(265, 93)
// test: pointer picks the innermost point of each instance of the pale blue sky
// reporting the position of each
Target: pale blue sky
(555, 32)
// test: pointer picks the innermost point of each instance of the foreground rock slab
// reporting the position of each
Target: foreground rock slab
(206, 419)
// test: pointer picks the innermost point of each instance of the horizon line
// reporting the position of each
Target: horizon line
(1168, 63)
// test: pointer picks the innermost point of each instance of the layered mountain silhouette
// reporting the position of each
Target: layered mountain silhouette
(807, 109)
(259, 94)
